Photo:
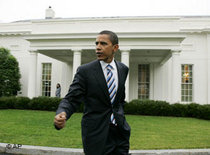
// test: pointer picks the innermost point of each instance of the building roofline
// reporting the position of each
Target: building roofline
(114, 17)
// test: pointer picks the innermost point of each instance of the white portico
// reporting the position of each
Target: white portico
(77, 49)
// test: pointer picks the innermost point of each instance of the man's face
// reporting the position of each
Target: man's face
(104, 49)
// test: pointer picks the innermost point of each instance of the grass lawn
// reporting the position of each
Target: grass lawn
(29, 127)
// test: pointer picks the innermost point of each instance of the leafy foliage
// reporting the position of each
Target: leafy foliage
(9, 74)
(162, 108)
(44, 103)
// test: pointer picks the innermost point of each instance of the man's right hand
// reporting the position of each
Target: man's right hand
(60, 120)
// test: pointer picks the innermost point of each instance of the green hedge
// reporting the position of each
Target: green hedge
(162, 108)
(14, 102)
(148, 107)
(135, 107)
(37, 103)
(44, 103)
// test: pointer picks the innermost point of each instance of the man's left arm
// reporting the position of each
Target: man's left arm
(72, 100)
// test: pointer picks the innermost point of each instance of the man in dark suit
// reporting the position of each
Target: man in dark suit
(100, 85)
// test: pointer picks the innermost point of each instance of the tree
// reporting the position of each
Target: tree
(9, 74)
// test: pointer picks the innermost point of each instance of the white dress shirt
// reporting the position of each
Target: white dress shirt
(114, 70)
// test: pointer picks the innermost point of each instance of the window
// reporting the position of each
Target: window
(187, 83)
(46, 79)
(143, 81)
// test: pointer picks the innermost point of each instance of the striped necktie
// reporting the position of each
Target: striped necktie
(110, 80)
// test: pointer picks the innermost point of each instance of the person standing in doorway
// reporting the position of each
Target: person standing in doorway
(58, 90)
(100, 85)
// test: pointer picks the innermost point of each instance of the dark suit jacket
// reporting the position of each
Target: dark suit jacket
(89, 87)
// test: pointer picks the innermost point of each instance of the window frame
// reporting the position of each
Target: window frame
(46, 78)
(187, 94)
(145, 83)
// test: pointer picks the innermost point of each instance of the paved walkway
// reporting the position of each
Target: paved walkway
(12, 149)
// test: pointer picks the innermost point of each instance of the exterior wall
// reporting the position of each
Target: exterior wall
(159, 81)
(208, 68)
(160, 84)
(57, 74)
(66, 78)
(161, 74)
(136, 34)
(198, 57)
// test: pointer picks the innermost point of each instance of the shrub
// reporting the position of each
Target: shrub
(179, 110)
(3, 104)
(148, 107)
(193, 110)
(7, 102)
(44, 103)
(9, 73)
(132, 107)
(162, 108)
(21, 103)
(204, 112)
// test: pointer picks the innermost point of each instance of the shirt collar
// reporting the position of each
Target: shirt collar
(104, 64)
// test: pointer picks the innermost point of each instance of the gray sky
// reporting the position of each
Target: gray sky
(13, 10)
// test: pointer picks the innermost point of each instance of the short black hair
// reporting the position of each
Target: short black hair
(112, 36)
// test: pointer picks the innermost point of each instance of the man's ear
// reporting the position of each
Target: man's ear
(116, 47)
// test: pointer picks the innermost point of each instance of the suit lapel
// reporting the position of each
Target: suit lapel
(99, 75)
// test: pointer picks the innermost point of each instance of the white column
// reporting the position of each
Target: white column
(151, 86)
(32, 78)
(208, 68)
(176, 77)
(76, 61)
(125, 56)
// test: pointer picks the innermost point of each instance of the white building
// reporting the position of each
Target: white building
(168, 57)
